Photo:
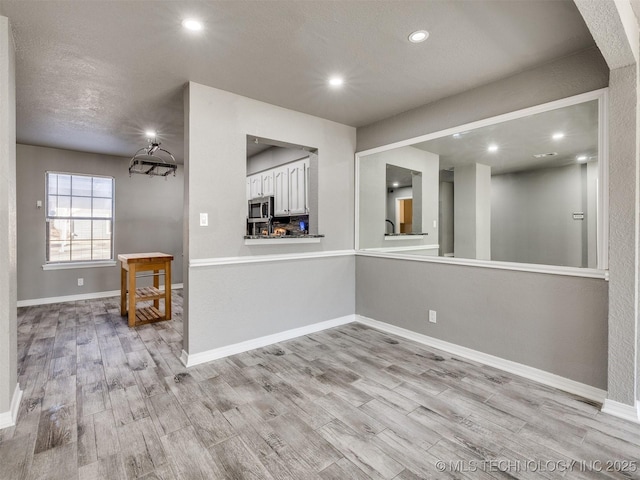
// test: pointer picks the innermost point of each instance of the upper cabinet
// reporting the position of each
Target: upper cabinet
(255, 186)
(289, 184)
(267, 183)
(298, 187)
(260, 185)
(281, 195)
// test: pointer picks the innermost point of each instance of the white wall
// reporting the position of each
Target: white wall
(241, 301)
(373, 195)
(8, 316)
(148, 218)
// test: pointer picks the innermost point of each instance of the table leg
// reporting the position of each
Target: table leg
(156, 285)
(123, 291)
(167, 291)
(132, 295)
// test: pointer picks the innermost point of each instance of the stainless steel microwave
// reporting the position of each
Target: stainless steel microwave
(260, 209)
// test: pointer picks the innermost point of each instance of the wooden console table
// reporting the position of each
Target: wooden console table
(144, 262)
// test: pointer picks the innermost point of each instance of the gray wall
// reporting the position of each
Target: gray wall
(8, 317)
(622, 239)
(248, 301)
(148, 218)
(555, 323)
(465, 294)
(373, 195)
(472, 211)
(571, 75)
(531, 216)
(445, 230)
(273, 157)
(291, 293)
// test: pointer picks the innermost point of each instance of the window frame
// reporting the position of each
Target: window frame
(84, 263)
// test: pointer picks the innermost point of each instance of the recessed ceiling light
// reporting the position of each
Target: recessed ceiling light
(456, 135)
(150, 133)
(492, 148)
(336, 81)
(557, 135)
(191, 24)
(581, 158)
(395, 184)
(418, 36)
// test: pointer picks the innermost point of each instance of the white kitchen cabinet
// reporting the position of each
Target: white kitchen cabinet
(255, 183)
(267, 183)
(298, 187)
(281, 191)
(289, 184)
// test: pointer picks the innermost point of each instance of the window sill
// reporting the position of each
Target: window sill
(519, 267)
(72, 265)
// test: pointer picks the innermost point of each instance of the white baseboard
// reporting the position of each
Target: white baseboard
(81, 296)
(541, 376)
(189, 360)
(8, 419)
(622, 410)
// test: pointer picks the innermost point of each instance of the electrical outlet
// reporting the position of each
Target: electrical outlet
(80, 282)
(432, 316)
(204, 219)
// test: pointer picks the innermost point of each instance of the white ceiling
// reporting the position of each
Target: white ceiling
(93, 75)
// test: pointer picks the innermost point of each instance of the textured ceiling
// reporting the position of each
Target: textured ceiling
(93, 75)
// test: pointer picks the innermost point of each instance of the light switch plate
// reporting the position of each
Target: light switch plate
(204, 219)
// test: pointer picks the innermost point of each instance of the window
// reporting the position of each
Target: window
(79, 218)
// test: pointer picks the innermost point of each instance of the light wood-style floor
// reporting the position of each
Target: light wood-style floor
(105, 401)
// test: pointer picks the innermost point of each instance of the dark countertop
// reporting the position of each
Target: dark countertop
(269, 237)
(403, 234)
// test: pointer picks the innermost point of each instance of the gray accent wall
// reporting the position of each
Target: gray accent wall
(148, 218)
(555, 323)
(532, 217)
(8, 315)
(253, 300)
(241, 301)
(514, 315)
(578, 73)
